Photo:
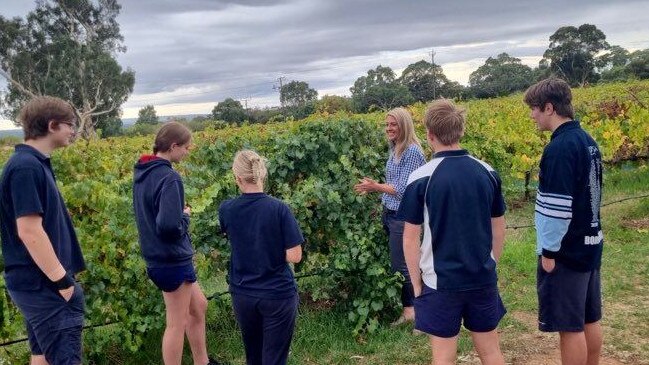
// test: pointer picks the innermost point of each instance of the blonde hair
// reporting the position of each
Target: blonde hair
(249, 166)
(407, 134)
(445, 120)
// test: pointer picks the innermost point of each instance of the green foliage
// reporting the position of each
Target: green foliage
(109, 126)
(379, 90)
(265, 115)
(66, 48)
(200, 124)
(500, 76)
(426, 81)
(572, 53)
(330, 104)
(229, 111)
(141, 129)
(313, 164)
(10, 140)
(147, 115)
(297, 93)
(638, 65)
(615, 56)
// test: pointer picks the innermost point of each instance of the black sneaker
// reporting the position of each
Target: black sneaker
(215, 362)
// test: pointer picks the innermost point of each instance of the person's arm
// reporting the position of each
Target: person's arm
(39, 246)
(294, 255)
(368, 185)
(172, 218)
(412, 254)
(411, 160)
(498, 236)
(292, 235)
(553, 209)
(25, 188)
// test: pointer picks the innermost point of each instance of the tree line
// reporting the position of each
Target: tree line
(68, 48)
(580, 55)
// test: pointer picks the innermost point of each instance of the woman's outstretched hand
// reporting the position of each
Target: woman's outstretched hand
(366, 185)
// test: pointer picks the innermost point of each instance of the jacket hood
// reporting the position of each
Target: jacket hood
(146, 164)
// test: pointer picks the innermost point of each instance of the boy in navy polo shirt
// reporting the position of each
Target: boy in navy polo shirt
(40, 248)
(458, 200)
(265, 238)
(568, 229)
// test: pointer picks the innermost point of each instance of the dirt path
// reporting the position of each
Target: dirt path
(537, 348)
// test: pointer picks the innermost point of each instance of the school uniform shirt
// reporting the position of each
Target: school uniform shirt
(567, 217)
(158, 202)
(28, 187)
(260, 229)
(454, 196)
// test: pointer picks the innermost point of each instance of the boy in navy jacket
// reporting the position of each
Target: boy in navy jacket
(568, 228)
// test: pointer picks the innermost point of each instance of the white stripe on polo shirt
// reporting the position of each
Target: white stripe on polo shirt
(425, 170)
(426, 261)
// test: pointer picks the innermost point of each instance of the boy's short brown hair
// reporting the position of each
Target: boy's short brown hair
(445, 120)
(552, 90)
(37, 113)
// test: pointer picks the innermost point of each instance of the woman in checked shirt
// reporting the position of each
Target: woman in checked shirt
(405, 157)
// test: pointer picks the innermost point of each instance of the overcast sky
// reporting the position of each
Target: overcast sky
(188, 55)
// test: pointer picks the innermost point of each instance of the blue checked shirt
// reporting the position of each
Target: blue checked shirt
(396, 173)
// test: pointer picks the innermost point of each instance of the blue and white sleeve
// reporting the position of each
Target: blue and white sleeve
(553, 209)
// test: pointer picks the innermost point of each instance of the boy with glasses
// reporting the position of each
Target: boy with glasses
(39, 245)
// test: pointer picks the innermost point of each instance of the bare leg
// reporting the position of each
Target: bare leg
(594, 339)
(573, 348)
(196, 325)
(487, 344)
(444, 350)
(38, 360)
(177, 304)
(408, 313)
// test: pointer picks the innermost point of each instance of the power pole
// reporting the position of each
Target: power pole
(432, 60)
(245, 103)
(280, 80)
(245, 108)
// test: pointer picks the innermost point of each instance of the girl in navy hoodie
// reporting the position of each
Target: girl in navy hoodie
(265, 237)
(162, 219)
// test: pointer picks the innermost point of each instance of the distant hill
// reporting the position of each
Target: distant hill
(127, 122)
(11, 132)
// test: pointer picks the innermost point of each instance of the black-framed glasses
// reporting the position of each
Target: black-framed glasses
(72, 125)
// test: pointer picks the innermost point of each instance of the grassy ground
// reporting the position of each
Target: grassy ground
(323, 336)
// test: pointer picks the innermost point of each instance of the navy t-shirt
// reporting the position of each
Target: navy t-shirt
(260, 229)
(455, 196)
(28, 187)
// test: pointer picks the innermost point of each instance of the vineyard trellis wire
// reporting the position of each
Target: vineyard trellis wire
(217, 295)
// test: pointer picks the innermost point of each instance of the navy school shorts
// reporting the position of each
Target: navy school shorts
(441, 313)
(169, 279)
(568, 299)
(54, 326)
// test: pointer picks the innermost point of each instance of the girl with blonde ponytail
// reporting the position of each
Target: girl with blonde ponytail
(264, 237)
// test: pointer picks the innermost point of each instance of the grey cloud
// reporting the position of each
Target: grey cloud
(240, 47)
